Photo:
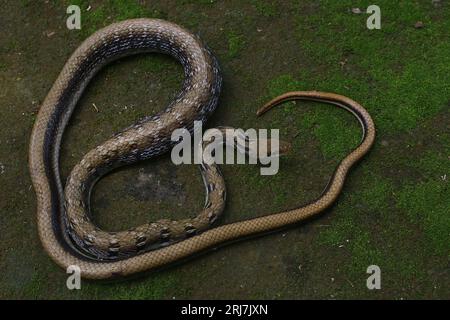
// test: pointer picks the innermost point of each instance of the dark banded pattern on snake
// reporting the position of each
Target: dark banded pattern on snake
(67, 238)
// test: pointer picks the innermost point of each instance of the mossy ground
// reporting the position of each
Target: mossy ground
(394, 209)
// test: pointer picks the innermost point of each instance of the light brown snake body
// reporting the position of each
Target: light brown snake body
(63, 221)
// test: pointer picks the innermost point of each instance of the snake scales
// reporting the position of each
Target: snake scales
(64, 225)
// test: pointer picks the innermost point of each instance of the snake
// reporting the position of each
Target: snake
(65, 226)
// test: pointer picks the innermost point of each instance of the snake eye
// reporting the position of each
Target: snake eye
(211, 187)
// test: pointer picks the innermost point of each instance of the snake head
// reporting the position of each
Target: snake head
(284, 147)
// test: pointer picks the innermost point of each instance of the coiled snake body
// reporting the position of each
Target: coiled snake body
(64, 225)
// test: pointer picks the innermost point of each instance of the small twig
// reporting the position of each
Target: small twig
(350, 282)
